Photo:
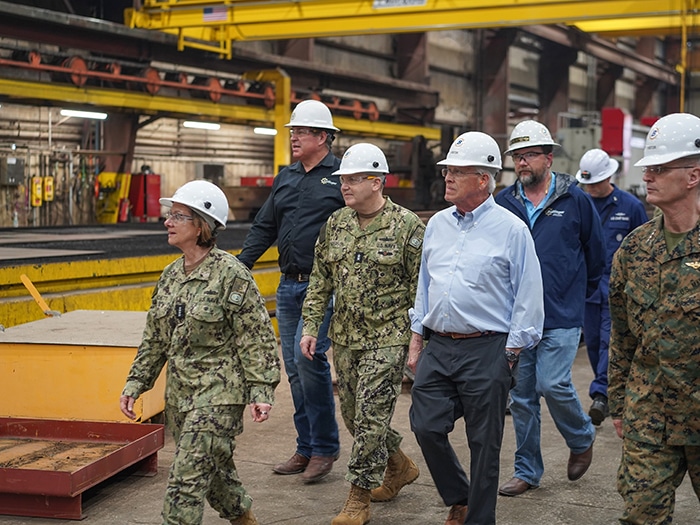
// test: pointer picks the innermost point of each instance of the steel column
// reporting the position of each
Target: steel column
(413, 65)
(605, 86)
(494, 66)
(553, 82)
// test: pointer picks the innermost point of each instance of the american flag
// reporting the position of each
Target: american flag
(215, 14)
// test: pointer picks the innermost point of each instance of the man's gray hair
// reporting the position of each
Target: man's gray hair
(491, 172)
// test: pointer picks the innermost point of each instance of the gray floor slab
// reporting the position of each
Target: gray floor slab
(593, 500)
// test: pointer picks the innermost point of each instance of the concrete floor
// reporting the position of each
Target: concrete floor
(592, 500)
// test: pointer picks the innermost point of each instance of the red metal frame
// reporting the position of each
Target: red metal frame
(58, 494)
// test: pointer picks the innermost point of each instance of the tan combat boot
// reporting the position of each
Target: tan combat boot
(400, 471)
(356, 508)
(245, 519)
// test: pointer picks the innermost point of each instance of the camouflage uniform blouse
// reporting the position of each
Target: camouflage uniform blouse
(213, 329)
(372, 273)
(654, 372)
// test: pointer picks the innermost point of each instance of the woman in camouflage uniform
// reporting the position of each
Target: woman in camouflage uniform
(209, 322)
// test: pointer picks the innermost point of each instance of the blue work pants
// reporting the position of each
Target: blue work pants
(310, 381)
(596, 334)
(545, 371)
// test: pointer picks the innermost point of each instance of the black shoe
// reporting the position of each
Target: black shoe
(599, 409)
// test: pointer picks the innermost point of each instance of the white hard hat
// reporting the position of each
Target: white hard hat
(205, 198)
(311, 114)
(527, 134)
(363, 158)
(596, 166)
(473, 148)
(671, 137)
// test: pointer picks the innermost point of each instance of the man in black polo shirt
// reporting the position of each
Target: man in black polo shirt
(303, 196)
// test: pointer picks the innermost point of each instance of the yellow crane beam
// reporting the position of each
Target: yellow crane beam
(231, 113)
(143, 102)
(641, 26)
(216, 24)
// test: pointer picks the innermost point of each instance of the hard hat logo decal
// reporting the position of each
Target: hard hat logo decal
(653, 133)
(697, 143)
(490, 158)
(525, 138)
(375, 164)
(207, 205)
(459, 142)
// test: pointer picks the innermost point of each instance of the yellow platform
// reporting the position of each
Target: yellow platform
(73, 367)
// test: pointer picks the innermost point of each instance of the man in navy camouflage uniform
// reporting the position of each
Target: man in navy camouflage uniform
(367, 257)
(654, 374)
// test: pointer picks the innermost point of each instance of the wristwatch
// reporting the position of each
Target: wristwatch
(512, 357)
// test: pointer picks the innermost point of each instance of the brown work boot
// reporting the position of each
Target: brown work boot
(579, 463)
(356, 508)
(400, 471)
(294, 465)
(318, 468)
(245, 519)
(457, 515)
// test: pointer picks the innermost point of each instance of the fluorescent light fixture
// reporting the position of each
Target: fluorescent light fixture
(265, 131)
(201, 125)
(83, 114)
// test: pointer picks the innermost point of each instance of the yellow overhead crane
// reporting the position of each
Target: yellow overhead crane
(214, 26)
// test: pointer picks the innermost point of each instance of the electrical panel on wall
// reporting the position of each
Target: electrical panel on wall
(11, 171)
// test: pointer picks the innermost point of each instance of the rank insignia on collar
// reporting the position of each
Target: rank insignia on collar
(693, 265)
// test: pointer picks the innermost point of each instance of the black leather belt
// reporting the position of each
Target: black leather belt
(455, 335)
(298, 277)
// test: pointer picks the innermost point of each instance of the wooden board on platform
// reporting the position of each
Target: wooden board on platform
(46, 465)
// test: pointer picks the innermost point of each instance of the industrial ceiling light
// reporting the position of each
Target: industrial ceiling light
(265, 131)
(213, 126)
(83, 114)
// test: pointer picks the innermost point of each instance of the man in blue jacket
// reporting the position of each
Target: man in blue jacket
(620, 213)
(569, 243)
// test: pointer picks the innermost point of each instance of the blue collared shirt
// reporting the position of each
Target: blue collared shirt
(480, 272)
(534, 211)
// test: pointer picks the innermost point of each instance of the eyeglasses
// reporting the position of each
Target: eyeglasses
(300, 132)
(527, 157)
(178, 217)
(457, 173)
(658, 170)
(354, 180)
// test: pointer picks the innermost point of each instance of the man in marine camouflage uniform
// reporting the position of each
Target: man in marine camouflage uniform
(654, 372)
(208, 321)
(367, 257)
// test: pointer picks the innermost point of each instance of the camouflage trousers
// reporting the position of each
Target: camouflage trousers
(369, 383)
(203, 466)
(648, 477)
